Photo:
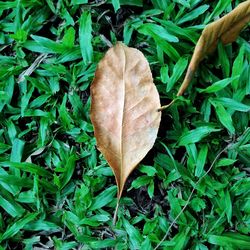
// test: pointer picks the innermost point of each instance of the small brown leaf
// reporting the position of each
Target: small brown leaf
(124, 110)
(225, 29)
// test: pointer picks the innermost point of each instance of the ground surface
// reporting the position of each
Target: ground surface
(57, 191)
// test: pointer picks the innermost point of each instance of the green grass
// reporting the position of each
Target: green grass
(55, 187)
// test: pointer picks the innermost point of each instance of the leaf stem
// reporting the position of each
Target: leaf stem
(166, 106)
(116, 211)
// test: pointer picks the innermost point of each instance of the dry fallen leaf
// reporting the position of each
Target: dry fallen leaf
(124, 110)
(225, 29)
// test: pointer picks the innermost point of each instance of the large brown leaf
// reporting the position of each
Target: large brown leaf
(226, 29)
(124, 110)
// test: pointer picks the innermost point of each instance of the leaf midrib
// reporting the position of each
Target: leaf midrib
(123, 108)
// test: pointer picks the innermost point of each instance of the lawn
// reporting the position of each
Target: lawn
(56, 189)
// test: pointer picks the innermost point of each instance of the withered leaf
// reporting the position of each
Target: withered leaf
(124, 104)
(225, 29)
